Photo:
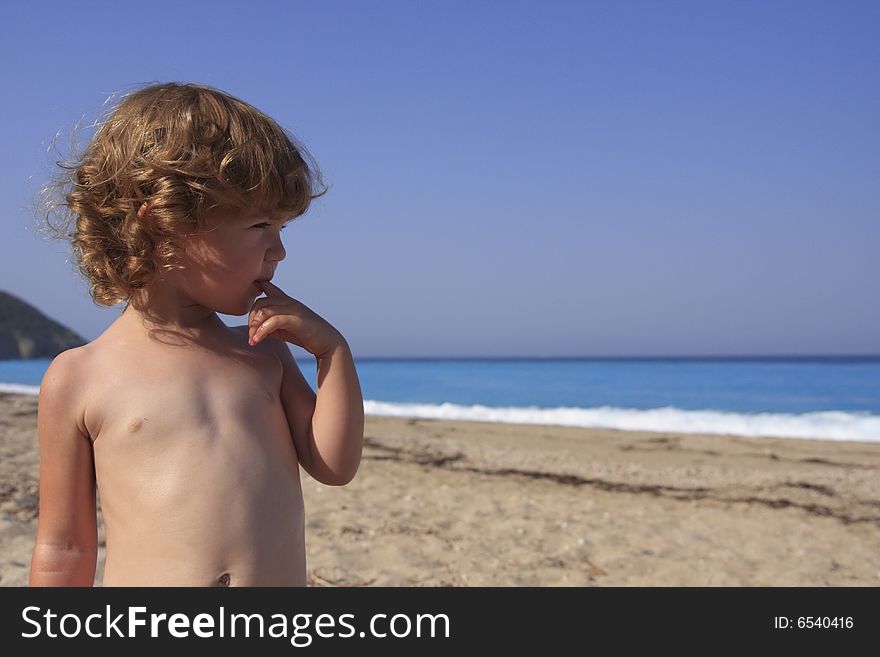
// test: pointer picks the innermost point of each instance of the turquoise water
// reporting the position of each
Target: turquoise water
(809, 397)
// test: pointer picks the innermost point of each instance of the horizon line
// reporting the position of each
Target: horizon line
(764, 357)
(639, 357)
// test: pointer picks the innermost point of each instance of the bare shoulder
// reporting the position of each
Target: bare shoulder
(291, 374)
(64, 387)
(67, 367)
(278, 348)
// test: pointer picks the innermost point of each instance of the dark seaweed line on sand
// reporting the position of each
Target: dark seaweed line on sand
(673, 447)
(671, 492)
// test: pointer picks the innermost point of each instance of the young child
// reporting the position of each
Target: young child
(193, 432)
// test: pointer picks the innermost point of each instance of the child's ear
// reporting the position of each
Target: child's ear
(149, 223)
(146, 219)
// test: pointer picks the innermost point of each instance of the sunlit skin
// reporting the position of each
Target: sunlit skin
(196, 430)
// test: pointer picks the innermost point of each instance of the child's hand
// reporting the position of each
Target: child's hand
(287, 319)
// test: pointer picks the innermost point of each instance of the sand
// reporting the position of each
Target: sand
(444, 503)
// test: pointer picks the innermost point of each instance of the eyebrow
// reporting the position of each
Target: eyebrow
(258, 216)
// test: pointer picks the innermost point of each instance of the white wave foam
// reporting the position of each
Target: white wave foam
(825, 425)
(19, 388)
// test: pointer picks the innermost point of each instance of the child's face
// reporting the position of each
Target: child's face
(222, 262)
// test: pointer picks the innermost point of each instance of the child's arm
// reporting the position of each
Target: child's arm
(327, 429)
(66, 546)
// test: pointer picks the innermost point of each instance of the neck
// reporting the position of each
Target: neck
(170, 311)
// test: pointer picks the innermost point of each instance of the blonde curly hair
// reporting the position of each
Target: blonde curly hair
(183, 150)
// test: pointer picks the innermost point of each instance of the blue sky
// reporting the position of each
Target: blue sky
(511, 178)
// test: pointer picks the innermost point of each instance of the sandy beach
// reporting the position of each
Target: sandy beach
(443, 503)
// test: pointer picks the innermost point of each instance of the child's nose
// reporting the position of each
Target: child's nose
(276, 251)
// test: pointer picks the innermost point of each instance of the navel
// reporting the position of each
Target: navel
(223, 580)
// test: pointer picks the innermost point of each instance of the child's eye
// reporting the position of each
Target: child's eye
(264, 224)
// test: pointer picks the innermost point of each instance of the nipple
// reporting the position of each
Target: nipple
(224, 579)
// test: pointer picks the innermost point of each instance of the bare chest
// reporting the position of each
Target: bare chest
(163, 392)
(167, 422)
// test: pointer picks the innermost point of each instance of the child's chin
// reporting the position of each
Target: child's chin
(236, 310)
(236, 307)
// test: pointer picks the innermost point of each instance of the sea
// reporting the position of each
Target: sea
(835, 398)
